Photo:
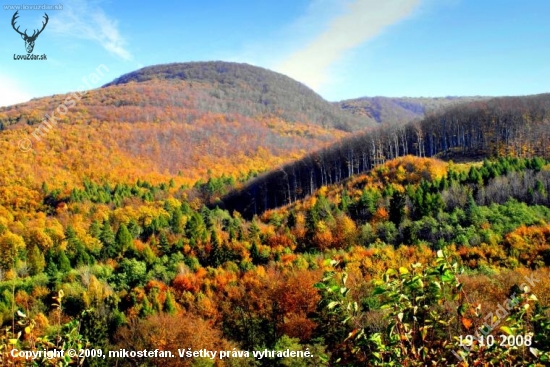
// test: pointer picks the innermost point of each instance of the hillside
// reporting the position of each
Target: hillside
(179, 120)
(507, 126)
(349, 249)
(141, 267)
(400, 110)
(249, 91)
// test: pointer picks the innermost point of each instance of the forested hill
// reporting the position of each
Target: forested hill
(508, 126)
(400, 110)
(250, 91)
(179, 119)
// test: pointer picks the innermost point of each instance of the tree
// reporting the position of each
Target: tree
(107, 237)
(176, 221)
(397, 208)
(471, 212)
(63, 263)
(124, 238)
(170, 304)
(216, 253)
(164, 245)
(95, 229)
(36, 261)
(10, 245)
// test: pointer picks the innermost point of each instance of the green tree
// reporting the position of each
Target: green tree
(63, 263)
(107, 238)
(36, 261)
(124, 239)
(170, 304)
(176, 221)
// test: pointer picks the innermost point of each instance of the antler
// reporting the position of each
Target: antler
(15, 16)
(34, 35)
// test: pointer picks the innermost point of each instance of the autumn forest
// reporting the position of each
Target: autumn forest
(225, 207)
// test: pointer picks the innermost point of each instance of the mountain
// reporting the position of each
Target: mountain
(249, 91)
(178, 120)
(499, 127)
(400, 110)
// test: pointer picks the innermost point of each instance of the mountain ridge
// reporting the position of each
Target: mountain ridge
(398, 110)
(174, 127)
(267, 88)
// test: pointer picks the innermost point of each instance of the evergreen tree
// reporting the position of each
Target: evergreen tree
(195, 229)
(134, 228)
(345, 201)
(81, 256)
(164, 245)
(254, 253)
(471, 211)
(216, 254)
(146, 308)
(63, 263)
(107, 237)
(170, 304)
(36, 261)
(51, 263)
(95, 229)
(175, 221)
(254, 231)
(124, 238)
(397, 208)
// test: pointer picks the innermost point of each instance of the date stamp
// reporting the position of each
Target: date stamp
(500, 340)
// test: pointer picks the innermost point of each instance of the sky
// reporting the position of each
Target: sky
(341, 49)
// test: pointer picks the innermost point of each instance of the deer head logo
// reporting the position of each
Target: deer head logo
(29, 40)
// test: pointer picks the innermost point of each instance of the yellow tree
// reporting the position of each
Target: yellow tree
(10, 244)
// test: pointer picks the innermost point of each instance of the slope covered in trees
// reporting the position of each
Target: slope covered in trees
(250, 91)
(233, 122)
(377, 252)
(139, 266)
(400, 110)
(509, 126)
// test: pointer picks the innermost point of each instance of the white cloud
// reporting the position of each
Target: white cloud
(86, 20)
(11, 93)
(363, 20)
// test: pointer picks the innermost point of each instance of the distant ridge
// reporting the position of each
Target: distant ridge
(402, 109)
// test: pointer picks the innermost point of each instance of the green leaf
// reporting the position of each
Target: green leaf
(462, 309)
(333, 304)
(403, 270)
(507, 330)
(448, 276)
(379, 290)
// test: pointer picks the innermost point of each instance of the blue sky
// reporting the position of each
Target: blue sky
(340, 48)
